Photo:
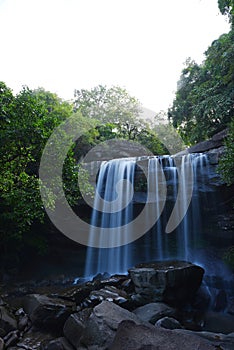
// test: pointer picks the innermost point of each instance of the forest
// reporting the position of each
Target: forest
(203, 106)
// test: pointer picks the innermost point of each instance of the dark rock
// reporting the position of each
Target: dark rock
(33, 339)
(77, 294)
(7, 320)
(220, 302)
(1, 344)
(174, 282)
(138, 337)
(11, 339)
(75, 325)
(219, 322)
(230, 307)
(168, 323)
(56, 344)
(219, 340)
(2, 333)
(48, 313)
(102, 325)
(202, 298)
(108, 293)
(215, 142)
(23, 323)
(153, 312)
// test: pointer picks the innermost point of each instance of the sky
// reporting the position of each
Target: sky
(141, 45)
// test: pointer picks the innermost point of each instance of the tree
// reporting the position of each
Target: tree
(27, 120)
(111, 105)
(226, 164)
(226, 7)
(204, 99)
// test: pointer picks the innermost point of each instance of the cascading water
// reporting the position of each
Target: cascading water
(183, 179)
(111, 177)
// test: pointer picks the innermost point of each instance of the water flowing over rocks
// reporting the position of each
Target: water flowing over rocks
(107, 313)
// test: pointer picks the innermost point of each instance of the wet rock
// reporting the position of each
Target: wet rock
(139, 337)
(11, 339)
(7, 320)
(173, 282)
(202, 298)
(75, 325)
(48, 313)
(33, 339)
(230, 307)
(218, 322)
(23, 323)
(168, 323)
(153, 312)
(76, 294)
(56, 344)
(219, 340)
(1, 344)
(220, 302)
(102, 325)
(109, 293)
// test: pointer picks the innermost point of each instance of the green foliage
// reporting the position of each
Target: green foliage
(204, 98)
(226, 7)
(27, 120)
(226, 163)
(117, 115)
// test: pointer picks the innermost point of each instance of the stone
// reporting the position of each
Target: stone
(11, 339)
(221, 341)
(102, 325)
(218, 322)
(168, 323)
(75, 325)
(220, 302)
(23, 322)
(48, 313)
(153, 312)
(173, 282)
(202, 299)
(33, 339)
(144, 337)
(109, 293)
(56, 344)
(2, 345)
(230, 307)
(7, 320)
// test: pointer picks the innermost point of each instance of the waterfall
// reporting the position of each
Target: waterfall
(178, 213)
(113, 186)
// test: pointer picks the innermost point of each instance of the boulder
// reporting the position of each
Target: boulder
(221, 341)
(33, 339)
(153, 312)
(11, 339)
(102, 325)
(56, 344)
(218, 322)
(1, 344)
(139, 337)
(174, 282)
(7, 320)
(168, 323)
(48, 313)
(75, 325)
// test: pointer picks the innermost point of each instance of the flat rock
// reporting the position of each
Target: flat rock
(138, 337)
(153, 312)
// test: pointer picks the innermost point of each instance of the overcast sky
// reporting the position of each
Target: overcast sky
(141, 45)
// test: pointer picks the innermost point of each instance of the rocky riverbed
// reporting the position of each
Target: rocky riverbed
(156, 306)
